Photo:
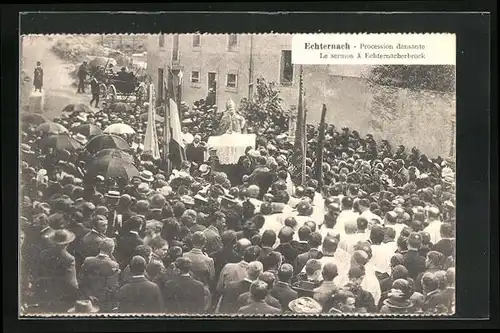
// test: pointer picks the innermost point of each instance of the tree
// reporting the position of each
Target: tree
(265, 108)
(415, 77)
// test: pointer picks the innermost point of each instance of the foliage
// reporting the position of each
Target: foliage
(415, 77)
(265, 109)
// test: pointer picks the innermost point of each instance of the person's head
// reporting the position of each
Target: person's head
(441, 277)
(178, 208)
(402, 243)
(107, 246)
(418, 300)
(389, 234)
(134, 223)
(228, 238)
(251, 253)
(390, 217)
(429, 282)
(315, 240)
(242, 245)
(268, 238)
(313, 269)
(159, 246)
(143, 251)
(199, 240)
(377, 235)
(347, 203)
(291, 222)
(450, 277)
(359, 258)
(259, 290)
(285, 273)
(356, 274)
(183, 264)
(414, 241)
(330, 245)
(38, 63)
(447, 230)
(137, 265)
(285, 235)
(100, 223)
(344, 301)
(399, 272)
(350, 227)
(271, 261)
(363, 205)
(434, 260)
(268, 278)
(254, 269)
(433, 213)
(362, 224)
(304, 233)
(330, 271)
(396, 260)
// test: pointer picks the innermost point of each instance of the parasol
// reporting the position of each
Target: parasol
(89, 130)
(60, 142)
(121, 107)
(117, 153)
(119, 129)
(104, 141)
(52, 128)
(144, 117)
(79, 107)
(111, 166)
(33, 118)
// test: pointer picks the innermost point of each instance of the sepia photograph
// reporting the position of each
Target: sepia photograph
(223, 174)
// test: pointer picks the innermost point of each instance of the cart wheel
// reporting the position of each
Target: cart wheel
(141, 93)
(112, 93)
(103, 90)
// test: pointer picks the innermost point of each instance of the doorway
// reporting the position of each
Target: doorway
(211, 88)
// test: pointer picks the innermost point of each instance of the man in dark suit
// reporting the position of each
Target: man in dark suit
(269, 279)
(282, 290)
(261, 176)
(285, 247)
(302, 245)
(259, 291)
(139, 295)
(91, 241)
(202, 265)
(229, 300)
(446, 245)
(214, 241)
(413, 261)
(128, 240)
(314, 243)
(433, 297)
(267, 242)
(183, 294)
(195, 151)
(57, 285)
(228, 253)
(99, 276)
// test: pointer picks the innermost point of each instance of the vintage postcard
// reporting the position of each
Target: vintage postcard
(237, 175)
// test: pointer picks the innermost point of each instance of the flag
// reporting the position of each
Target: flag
(319, 152)
(298, 158)
(151, 138)
(176, 146)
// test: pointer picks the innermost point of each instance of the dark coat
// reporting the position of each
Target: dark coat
(246, 298)
(364, 299)
(261, 177)
(223, 257)
(57, 281)
(183, 294)
(94, 86)
(195, 154)
(125, 247)
(446, 247)
(140, 296)
(288, 251)
(260, 307)
(301, 247)
(99, 278)
(90, 244)
(82, 72)
(196, 227)
(284, 294)
(229, 302)
(214, 240)
(302, 259)
(202, 266)
(414, 262)
(38, 77)
(432, 300)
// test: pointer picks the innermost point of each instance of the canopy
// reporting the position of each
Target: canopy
(52, 128)
(89, 130)
(112, 166)
(119, 129)
(230, 147)
(60, 142)
(116, 153)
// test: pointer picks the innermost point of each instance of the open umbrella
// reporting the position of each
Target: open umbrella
(111, 166)
(52, 128)
(119, 129)
(104, 141)
(89, 130)
(60, 142)
(33, 118)
(121, 107)
(158, 118)
(80, 107)
(116, 153)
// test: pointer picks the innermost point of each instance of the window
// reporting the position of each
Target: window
(175, 48)
(196, 40)
(231, 80)
(161, 40)
(195, 77)
(286, 73)
(232, 42)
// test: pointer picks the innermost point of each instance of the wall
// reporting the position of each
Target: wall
(412, 118)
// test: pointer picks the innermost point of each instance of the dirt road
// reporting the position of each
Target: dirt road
(57, 83)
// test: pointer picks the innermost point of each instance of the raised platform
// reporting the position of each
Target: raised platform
(36, 102)
(230, 147)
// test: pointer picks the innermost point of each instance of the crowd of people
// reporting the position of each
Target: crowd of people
(376, 236)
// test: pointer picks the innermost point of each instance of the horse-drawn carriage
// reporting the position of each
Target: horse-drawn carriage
(118, 86)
